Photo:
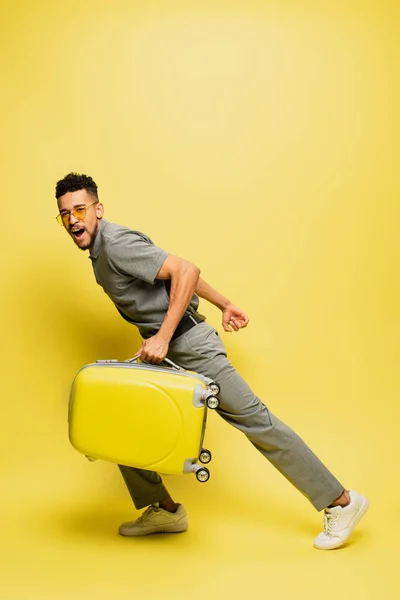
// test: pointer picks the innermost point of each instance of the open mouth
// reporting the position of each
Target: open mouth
(77, 233)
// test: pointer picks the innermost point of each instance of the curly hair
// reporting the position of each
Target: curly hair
(74, 182)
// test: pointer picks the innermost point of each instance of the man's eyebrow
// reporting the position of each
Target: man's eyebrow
(63, 210)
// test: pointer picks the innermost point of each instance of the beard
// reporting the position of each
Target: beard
(91, 241)
(88, 245)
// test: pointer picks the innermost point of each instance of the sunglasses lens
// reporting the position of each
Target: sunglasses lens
(79, 213)
(62, 219)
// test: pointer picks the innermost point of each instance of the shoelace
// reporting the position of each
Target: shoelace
(330, 520)
(148, 512)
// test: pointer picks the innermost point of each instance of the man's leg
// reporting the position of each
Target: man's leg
(201, 350)
(145, 487)
(163, 515)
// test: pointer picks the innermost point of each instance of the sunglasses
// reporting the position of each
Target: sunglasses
(79, 213)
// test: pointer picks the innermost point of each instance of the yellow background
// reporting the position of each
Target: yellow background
(256, 139)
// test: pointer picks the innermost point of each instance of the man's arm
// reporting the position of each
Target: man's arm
(184, 277)
(232, 316)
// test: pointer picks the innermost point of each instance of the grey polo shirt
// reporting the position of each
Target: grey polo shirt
(125, 264)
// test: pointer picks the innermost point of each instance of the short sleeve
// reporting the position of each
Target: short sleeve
(133, 254)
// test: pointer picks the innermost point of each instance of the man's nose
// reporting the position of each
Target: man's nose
(72, 219)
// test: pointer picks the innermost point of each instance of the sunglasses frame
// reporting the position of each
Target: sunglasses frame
(68, 213)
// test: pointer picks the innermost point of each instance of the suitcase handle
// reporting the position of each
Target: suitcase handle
(213, 388)
(166, 360)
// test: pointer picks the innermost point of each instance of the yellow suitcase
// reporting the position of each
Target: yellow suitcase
(141, 415)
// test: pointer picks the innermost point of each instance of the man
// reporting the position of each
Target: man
(159, 293)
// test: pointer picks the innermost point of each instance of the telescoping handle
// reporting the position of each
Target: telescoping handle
(166, 361)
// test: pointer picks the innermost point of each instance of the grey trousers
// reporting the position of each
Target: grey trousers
(202, 350)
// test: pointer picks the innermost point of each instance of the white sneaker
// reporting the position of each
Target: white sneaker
(156, 520)
(340, 521)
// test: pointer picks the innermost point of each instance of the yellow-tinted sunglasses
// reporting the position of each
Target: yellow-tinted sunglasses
(79, 213)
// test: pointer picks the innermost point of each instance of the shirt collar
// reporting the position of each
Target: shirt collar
(94, 253)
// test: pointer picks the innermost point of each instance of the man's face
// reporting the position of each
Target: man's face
(83, 231)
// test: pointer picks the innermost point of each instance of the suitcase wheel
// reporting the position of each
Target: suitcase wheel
(214, 388)
(212, 402)
(205, 456)
(203, 474)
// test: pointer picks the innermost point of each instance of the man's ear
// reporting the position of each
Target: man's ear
(99, 210)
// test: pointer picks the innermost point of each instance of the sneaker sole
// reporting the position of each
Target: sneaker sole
(363, 510)
(140, 534)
